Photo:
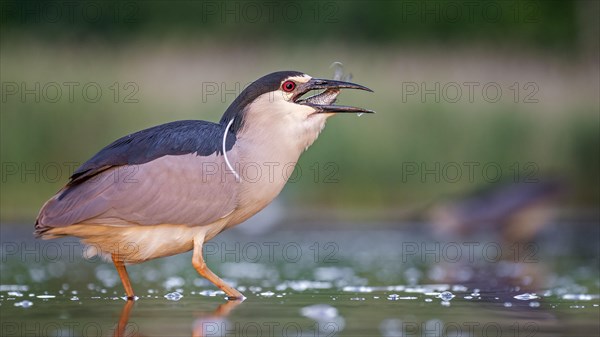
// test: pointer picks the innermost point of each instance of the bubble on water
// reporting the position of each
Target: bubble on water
(526, 296)
(173, 282)
(580, 297)
(361, 289)
(15, 293)
(446, 296)
(393, 297)
(74, 298)
(210, 293)
(468, 297)
(174, 296)
(428, 300)
(302, 285)
(357, 299)
(24, 304)
(507, 304)
(267, 293)
(45, 296)
(534, 304)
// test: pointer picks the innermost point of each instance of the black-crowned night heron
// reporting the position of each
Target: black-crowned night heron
(168, 189)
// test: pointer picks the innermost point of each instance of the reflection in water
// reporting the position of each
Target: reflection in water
(505, 220)
(124, 319)
(205, 324)
(501, 222)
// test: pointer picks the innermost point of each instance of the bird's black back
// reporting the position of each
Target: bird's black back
(176, 138)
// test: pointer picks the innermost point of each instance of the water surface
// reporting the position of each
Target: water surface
(378, 280)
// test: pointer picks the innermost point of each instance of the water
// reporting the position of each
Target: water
(371, 281)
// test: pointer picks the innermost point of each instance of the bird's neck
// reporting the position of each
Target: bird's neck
(279, 140)
(268, 151)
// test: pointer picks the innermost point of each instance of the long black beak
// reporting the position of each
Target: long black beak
(323, 102)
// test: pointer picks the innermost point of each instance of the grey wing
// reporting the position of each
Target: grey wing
(183, 189)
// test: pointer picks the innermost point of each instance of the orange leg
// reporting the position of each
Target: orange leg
(123, 320)
(124, 277)
(202, 269)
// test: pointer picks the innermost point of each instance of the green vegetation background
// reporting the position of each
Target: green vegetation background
(170, 49)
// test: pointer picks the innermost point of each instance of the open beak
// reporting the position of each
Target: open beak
(323, 102)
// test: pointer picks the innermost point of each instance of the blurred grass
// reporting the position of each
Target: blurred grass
(550, 24)
(559, 134)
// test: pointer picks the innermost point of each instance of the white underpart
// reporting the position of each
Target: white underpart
(237, 176)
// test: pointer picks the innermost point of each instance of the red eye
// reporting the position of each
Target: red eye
(288, 86)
